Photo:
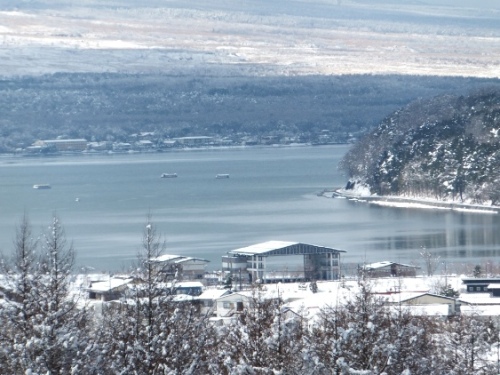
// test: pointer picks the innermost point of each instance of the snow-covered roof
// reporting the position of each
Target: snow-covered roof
(273, 248)
(400, 297)
(236, 296)
(189, 284)
(377, 265)
(494, 286)
(406, 297)
(213, 294)
(112, 283)
(183, 284)
(263, 247)
(166, 257)
(171, 258)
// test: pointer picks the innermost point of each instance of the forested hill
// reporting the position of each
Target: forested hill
(112, 107)
(447, 148)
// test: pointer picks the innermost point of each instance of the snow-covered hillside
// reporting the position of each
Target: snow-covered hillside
(446, 148)
(260, 37)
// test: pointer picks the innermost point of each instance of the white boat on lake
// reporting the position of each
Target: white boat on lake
(41, 186)
(222, 175)
(168, 175)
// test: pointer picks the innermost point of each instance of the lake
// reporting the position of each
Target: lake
(271, 194)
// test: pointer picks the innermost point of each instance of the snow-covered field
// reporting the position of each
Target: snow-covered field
(300, 298)
(303, 37)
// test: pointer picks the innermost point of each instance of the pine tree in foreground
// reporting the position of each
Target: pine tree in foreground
(47, 328)
(150, 332)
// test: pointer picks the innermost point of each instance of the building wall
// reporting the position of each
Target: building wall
(233, 303)
(67, 144)
(429, 299)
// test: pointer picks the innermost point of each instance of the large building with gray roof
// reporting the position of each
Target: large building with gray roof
(280, 261)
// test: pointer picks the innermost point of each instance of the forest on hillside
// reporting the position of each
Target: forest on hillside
(111, 107)
(446, 148)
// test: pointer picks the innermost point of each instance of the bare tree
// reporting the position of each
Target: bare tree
(431, 261)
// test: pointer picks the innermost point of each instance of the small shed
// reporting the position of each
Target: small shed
(388, 269)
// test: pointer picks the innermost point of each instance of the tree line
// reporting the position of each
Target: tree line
(49, 328)
(111, 107)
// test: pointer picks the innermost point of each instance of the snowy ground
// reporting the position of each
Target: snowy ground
(286, 39)
(299, 297)
(363, 194)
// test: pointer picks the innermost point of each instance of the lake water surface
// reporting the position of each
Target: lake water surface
(272, 194)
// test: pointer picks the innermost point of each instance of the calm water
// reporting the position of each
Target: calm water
(271, 195)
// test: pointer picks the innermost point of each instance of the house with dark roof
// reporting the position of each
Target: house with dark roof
(388, 269)
(480, 284)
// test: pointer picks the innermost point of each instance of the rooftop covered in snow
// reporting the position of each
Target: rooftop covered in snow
(253, 263)
(273, 248)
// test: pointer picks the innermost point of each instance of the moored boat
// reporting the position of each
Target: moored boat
(168, 175)
(41, 186)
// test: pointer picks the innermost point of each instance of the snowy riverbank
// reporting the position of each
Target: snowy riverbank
(363, 195)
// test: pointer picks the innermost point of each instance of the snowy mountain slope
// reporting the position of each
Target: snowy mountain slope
(260, 37)
(446, 148)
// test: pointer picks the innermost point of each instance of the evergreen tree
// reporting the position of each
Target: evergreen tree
(367, 336)
(48, 328)
(22, 279)
(61, 326)
(265, 338)
(150, 332)
(465, 348)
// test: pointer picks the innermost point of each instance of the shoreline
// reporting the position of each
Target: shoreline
(404, 202)
(88, 153)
